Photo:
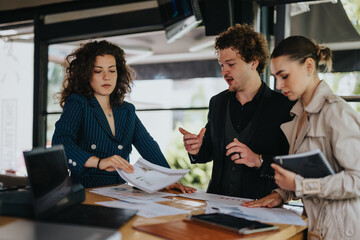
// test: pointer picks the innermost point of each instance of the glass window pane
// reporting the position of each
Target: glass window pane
(51, 120)
(56, 74)
(55, 78)
(343, 83)
(352, 9)
(168, 93)
(355, 106)
(16, 103)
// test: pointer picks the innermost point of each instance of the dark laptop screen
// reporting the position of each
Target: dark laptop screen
(49, 178)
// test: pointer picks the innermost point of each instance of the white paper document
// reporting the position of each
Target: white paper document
(268, 215)
(232, 206)
(124, 192)
(150, 177)
(201, 195)
(147, 210)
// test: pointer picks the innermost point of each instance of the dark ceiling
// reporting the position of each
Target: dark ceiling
(140, 31)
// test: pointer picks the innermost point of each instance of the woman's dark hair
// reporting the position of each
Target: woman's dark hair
(300, 48)
(80, 64)
(250, 45)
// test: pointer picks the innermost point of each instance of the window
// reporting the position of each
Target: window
(347, 85)
(16, 103)
(163, 105)
(352, 9)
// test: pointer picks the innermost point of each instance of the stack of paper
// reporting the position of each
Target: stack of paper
(144, 202)
(125, 192)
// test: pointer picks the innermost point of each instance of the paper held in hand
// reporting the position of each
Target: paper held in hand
(150, 177)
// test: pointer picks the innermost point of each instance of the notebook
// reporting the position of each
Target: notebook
(312, 164)
(53, 198)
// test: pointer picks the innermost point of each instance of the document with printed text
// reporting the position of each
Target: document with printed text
(125, 192)
(150, 177)
(146, 210)
(232, 205)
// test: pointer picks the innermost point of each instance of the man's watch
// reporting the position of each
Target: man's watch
(261, 159)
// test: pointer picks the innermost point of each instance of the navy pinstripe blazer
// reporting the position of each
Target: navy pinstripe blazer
(84, 131)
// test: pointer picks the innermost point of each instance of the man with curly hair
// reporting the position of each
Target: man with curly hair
(243, 129)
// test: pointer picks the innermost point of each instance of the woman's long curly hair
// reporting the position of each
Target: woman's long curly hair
(80, 64)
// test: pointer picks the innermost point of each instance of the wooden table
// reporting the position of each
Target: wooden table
(197, 207)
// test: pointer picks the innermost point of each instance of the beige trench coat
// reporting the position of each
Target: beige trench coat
(332, 203)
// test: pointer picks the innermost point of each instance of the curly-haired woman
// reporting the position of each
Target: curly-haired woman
(97, 127)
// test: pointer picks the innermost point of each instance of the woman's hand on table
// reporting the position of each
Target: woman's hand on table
(181, 187)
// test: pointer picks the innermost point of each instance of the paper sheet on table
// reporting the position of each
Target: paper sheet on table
(201, 195)
(215, 207)
(150, 177)
(232, 205)
(127, 193)
(270, 215)
(147, 210)
(266, 215)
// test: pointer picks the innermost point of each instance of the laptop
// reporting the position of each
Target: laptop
(53, 197)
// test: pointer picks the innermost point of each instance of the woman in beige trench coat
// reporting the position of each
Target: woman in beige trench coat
(322, 121)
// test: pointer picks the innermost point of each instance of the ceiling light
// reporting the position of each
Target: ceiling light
(179, 29)
(202, 46)
(136, 50)
(8, 32)
(138, 53)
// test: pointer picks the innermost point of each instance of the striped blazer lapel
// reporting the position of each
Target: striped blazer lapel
(100, 116)
(120, 118)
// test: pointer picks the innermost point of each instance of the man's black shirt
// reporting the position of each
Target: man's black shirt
(242, 114)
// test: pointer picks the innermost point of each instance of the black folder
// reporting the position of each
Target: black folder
(312, 164)
(235, 224)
